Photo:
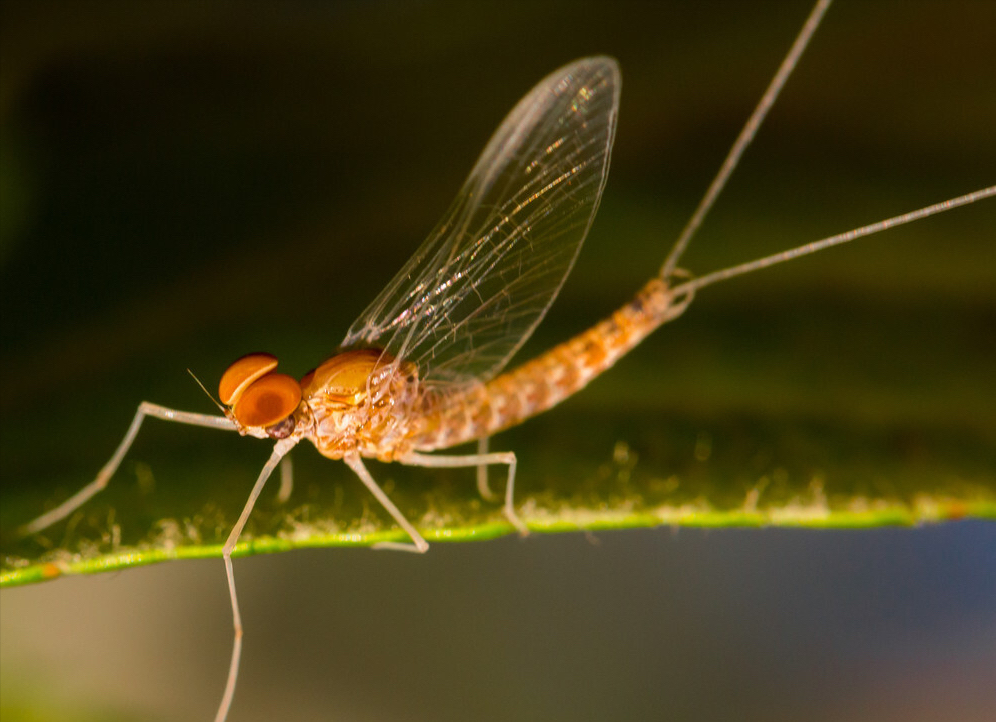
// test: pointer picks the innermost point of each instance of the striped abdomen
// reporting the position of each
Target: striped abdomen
(547, 380)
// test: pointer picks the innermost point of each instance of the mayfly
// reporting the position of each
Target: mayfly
(421, 370)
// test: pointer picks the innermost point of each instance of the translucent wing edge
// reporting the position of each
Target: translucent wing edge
(370, 328)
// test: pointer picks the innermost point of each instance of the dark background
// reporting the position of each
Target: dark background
(184, 182)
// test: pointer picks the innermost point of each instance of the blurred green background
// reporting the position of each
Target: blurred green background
(185, 182)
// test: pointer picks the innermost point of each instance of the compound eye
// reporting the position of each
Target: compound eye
(242, 373)
(268, 401)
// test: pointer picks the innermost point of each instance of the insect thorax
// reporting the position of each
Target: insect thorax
(362, 402)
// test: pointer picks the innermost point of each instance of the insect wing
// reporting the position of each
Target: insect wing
(484, 278)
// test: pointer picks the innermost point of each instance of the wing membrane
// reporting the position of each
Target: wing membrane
(484, 278)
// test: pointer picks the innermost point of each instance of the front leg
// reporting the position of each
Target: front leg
(87, 492)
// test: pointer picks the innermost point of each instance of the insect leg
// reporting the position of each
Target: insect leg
(279, 451)
(482, 472)
(104, 476)
(419, 544)
(478, 460)
(286, 480)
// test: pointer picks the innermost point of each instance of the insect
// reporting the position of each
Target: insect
(420, 370)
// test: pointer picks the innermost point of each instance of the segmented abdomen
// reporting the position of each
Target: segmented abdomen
(547, 380)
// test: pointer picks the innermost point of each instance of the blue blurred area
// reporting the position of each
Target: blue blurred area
(887, 624)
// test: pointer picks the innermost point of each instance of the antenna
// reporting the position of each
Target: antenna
(204, 389)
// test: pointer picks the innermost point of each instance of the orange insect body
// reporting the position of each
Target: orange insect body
(364, 401)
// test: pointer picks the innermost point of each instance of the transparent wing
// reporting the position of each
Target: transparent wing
(483, 279)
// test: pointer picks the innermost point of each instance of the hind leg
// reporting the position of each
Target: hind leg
(478, 460)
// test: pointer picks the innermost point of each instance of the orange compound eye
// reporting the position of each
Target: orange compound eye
(268, 401)
(242, 373)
